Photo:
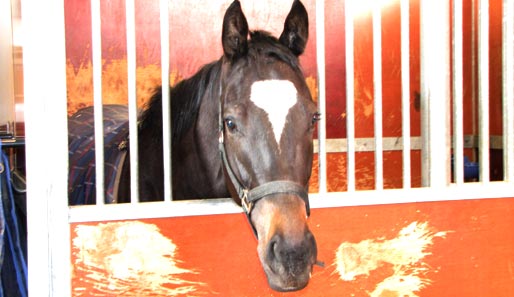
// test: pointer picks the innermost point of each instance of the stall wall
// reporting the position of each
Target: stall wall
(195, 33)
(453, 248)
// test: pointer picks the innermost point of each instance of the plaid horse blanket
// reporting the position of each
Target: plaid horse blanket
(81, 145)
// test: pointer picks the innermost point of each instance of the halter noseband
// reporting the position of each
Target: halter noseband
(250, 196)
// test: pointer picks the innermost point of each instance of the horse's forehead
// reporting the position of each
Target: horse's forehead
(275, 98)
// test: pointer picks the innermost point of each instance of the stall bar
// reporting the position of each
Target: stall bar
(132, 98)
(508, 89)
(438, 97)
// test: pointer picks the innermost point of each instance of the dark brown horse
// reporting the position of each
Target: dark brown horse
(243, 125)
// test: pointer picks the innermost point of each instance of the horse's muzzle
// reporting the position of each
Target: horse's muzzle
(288, 266)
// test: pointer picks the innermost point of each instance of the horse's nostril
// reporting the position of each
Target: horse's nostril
(273, 253)
(274, 247)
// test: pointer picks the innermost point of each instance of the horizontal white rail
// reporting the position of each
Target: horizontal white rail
(367, 144)
(467, 191)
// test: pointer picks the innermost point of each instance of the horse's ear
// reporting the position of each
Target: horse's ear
(234, 37)
(296, 29)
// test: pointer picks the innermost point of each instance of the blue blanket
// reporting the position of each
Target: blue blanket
(13, 253)
(82, 176)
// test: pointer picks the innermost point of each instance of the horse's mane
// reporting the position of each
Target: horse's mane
(185, 104)
(187, 94)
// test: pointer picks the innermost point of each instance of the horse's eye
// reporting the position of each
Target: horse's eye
(231, 125)
(315, 118)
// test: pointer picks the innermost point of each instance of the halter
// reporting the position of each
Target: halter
(249, 196)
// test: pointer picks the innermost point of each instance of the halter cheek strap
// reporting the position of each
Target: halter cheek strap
(250, 196)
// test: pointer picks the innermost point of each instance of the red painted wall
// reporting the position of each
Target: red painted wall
(195, 30)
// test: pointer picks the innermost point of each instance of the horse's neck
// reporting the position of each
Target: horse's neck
(198, 163)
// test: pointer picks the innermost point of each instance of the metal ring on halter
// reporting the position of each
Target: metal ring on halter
(247, 205)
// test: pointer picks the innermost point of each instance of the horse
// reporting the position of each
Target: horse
(243, 126)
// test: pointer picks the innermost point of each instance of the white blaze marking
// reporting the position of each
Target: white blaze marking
(275, 97)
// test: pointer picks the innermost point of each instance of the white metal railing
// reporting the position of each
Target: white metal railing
(350, 95)
(377, 96)
(483, 88)
(320, 60)
(508, 89)
(165, 81)
(7, 110)
(132, 98)
(47, 164)
(435, 95)
(435, 141)
(457, 87)
(44, 65)
(96, 45)
(405, 56)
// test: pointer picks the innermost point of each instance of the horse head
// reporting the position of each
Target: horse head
(267, 118)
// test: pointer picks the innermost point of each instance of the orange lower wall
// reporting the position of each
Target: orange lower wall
(457, 248)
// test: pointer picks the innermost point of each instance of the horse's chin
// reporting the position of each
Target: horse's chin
(287, 283)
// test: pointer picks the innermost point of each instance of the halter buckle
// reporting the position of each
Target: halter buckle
(247, 205)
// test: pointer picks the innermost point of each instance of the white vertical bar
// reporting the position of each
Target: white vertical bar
(320, 60)
(7, 113)
(458, 126)
(405, 56)
(350, 95)
(483, 89)
(166, 116)
(377, 94)
(96, 46)
(424, 77)
(132, 99)
(508, 90)
(44, 64)
(435, 92)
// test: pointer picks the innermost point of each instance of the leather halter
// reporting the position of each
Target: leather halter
(249, 197)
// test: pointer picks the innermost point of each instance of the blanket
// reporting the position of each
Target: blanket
(81, 144)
